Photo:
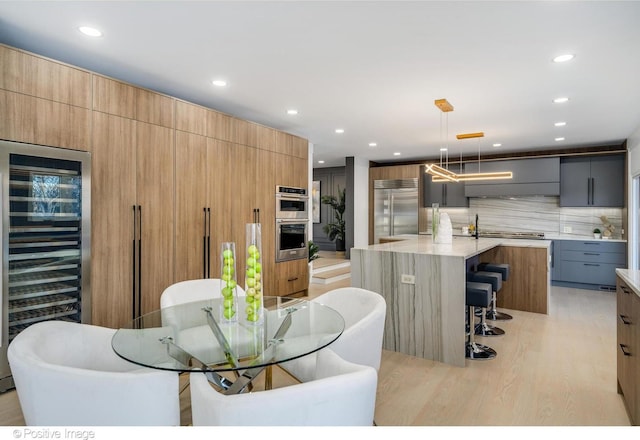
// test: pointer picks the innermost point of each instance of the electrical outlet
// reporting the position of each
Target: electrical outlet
(567, 230)
(408, 279)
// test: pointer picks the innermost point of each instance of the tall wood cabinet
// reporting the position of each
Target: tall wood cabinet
(113, 175)
(171, 180)
(132, 217)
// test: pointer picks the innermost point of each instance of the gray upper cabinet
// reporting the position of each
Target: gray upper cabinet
(531, 177)
(592, 181)
(449, 195)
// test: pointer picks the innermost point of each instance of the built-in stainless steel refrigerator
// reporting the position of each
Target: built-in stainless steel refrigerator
(46, 225)
(395, 207)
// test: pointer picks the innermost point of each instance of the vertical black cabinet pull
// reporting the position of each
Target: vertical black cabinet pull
(139, 260)
(133, 269)
(204, 244)
(209, 243)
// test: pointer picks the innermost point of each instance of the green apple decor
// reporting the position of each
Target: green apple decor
(229, 283)
(253, 274)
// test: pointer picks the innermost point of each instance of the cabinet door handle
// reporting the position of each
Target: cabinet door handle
(133, 269)
(591, 253)
(625, 289)
(591, 264)
(625, 320)
(292, 279)
(624, 350)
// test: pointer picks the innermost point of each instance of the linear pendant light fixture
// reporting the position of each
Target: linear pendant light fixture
(474, 176)
(438, 172)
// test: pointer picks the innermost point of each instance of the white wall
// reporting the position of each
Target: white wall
(633, 157)
(360, 202)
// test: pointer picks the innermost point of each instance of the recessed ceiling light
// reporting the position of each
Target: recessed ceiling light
(443, 149)
(219, 82)
(292, 111)
(563, 58)
(560, 124)
(561, 100)
(397, 153)
(559, 139)
(373, 144)
(339, 130)
(92, 32)
(321, 161)
(497, 145)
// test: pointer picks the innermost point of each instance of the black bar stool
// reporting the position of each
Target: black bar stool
(477, 295)
(495, 281)
(502, 269)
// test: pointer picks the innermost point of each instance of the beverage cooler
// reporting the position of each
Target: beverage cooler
(46, 205)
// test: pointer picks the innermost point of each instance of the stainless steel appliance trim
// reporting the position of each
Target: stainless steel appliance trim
(296, 253)
(396, 183)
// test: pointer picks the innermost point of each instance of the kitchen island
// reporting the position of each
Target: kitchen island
(424, 286)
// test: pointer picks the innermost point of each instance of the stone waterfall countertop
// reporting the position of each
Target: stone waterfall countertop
(631, 277)
(459, 247)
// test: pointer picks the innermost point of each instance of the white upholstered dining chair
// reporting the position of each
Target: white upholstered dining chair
(67, 374)
(361, 341)
(340, 393)
(192, 290)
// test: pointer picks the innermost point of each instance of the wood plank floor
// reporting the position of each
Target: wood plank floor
(551, 370)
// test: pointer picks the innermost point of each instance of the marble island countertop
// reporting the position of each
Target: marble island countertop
(460, 246)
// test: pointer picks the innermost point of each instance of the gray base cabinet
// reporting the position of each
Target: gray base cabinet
(587, 264)
(592, 181)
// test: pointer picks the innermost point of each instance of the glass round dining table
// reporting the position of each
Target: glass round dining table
(194, 336)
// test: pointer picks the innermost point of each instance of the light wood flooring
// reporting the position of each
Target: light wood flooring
(551, 370)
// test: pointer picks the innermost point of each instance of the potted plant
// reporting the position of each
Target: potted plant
(313, 251)
(313, 254)
(597, 233)
(336, 229)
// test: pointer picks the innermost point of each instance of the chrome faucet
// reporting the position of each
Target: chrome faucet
(477, 234)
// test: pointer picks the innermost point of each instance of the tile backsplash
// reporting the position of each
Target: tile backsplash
(528, 214)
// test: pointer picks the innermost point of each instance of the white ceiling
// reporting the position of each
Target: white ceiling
(371, 68)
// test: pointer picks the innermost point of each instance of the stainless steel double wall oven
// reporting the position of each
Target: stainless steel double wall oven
(292, 223)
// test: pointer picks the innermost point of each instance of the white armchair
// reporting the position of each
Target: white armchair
(192, 290)
(192, 332)
(340, 394)
(68, 374)
(361, 342)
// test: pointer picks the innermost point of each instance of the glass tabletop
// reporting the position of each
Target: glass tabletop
(195, 336)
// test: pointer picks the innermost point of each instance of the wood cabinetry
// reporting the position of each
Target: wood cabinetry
(628, 348)
(592, 181)
(191, 207)
(159, 165)
(155, 199)
(34, 76)
(40, 121)
(528, 286)
(113, 196)
(132, 217)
